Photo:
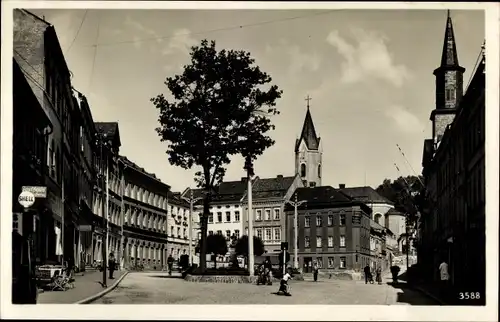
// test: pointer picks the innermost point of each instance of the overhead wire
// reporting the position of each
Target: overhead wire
(78, 31)
(95, 55)
(220, 29)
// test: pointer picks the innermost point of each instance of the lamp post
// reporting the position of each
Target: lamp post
(296, 204)
(250, 173)
(191, 201)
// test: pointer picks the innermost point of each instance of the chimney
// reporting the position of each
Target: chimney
(342, 186)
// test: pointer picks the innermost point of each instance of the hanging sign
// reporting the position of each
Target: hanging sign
(26, 199)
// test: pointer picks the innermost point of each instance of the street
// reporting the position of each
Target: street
(158, 288)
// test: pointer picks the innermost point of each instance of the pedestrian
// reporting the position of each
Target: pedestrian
(444, 276)
(268, 266)
(111, 265)
(170, 263)
(315, 271)
(284, 287)
(395, 273)
(367, 273)
(378, 273)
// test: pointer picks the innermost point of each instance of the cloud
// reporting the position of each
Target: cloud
(299, 60)
(180, 42)
(369, 58)
(404, 120)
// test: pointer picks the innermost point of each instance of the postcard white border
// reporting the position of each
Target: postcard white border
(258, 312)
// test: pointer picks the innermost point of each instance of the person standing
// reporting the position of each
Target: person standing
(315, 271)
(445, 277)
(367, 273)
(170, 263)
(111, 265)
(378, 273)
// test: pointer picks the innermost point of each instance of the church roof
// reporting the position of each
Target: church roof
(449, 57)
(308, 134)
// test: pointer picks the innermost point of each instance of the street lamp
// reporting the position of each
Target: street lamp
(250, 173)
(296, 204)
(191, 201)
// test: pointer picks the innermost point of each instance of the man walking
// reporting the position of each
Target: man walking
(367, 273)
(111, 265)
(445, 276)
(170, 263)
(316, 271)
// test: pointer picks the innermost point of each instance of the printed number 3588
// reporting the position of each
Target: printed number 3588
(469, 295)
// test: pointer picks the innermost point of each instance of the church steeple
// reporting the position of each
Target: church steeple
(308, 134)
(449, 83)
(308, 152)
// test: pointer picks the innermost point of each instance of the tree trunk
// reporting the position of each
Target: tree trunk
(215, 261)
(204, 226)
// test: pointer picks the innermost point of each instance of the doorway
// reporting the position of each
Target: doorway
(307, 264)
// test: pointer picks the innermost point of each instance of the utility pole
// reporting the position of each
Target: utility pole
(104, 221)
(249, 168)
(296, 204)
(191, 201)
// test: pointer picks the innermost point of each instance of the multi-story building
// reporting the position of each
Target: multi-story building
(333, 230)
(452, 225)
(29, 156)
(269, 196)
(145, 219)
(178, 226)
(39, 55)
(108, 191)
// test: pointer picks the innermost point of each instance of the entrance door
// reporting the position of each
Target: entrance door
(307, 264)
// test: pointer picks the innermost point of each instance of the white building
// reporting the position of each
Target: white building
(178, 225)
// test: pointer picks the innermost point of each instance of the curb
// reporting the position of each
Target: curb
(97, 296)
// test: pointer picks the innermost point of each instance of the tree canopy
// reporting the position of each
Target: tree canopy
(241, 247)
(220, 106)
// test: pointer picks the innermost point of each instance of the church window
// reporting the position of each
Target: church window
(377, 218)
(450, 94)
(319, 171)
(302, 170)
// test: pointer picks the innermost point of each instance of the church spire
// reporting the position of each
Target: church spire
(308, 134)
(449, 56)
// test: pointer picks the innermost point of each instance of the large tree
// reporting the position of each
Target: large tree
(221, 106)
(241, 247)
(407, 194)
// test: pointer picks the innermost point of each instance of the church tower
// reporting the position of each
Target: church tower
(308, 153)
(449, 85)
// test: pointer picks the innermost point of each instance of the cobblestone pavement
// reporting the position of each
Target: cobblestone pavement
(158, 288)
(86, 285)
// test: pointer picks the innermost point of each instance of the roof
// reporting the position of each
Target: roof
(394, 212)
(271, 187)
(132, 165)
(175, 198)
(449, 56)
(308, 134)
(365, 194)
(228, 191)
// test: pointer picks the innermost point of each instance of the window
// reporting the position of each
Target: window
(185, 233)
(307, 221)
(319, 220)
(319, 171)
(172, 231)
(343, 262)
(330, 220)
(268, 214)
(319, 260)
(377, 218)
(178, 232)
(246, 231)
(312, 184)
(450, 94)
(237, 234)
(259, 233)
(237, 216)
(219, 217)
(211, 218)
(258, 214)
(210, 233)
(342, 219)
(342, 241)
(228, 216)
(268, 234)
(330, 241)
(302, 170)
(228, 234)
(330, 262)
(276, 214)
(307, 242)
(277, 234)
(219, 232)
(318, 241)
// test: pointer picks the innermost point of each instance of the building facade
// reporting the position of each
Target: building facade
(333, 230)
(178, 225)
(309, 153)
(146, 205)
(269, 196)
(452, 225)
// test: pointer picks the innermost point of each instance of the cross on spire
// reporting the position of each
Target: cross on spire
(308, 98)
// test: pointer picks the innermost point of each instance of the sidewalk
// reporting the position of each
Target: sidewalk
(86, 285)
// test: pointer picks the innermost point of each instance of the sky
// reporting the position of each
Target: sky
(368, 72)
